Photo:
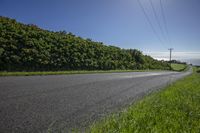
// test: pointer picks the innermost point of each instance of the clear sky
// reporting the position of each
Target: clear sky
(116, 22)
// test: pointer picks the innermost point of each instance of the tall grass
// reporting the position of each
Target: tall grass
(175, 109)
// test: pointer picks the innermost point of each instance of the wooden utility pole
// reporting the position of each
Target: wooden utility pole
(170, 57)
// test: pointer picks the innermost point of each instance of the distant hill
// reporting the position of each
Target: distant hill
(30, 48)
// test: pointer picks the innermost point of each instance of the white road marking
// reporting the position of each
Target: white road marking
(145, 75)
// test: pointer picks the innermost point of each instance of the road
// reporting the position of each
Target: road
(62, 102)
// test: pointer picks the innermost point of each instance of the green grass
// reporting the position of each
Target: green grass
(68, 72)
(178, 67)
(175, 109)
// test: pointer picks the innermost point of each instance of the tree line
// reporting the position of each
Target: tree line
(30, 48)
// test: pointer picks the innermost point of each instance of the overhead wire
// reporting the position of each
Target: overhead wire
(149, 21)
(157, 20)
(165, 21)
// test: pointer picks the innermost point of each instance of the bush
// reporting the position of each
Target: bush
(29, 48)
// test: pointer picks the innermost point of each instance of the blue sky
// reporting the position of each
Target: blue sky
(116, 22)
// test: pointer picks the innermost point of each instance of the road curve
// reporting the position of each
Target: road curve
(62, 102)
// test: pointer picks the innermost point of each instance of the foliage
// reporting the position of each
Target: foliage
(175, 109)
(198, 69)
(29, 48)
(177, 62)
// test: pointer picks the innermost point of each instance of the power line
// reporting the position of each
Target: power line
(165, 22)
(157, 19)
(149, 21)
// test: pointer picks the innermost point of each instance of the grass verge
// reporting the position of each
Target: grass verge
(178, 67)
(174, 109)
(68, 72)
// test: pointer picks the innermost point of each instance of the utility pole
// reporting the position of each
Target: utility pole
(170, 57)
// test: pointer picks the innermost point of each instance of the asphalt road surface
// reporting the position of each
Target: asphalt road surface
(63, 102)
